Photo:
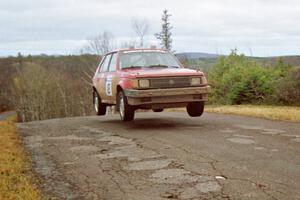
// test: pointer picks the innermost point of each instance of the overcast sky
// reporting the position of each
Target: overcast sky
(254, 27)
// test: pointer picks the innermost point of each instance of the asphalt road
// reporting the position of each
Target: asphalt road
(166, 156)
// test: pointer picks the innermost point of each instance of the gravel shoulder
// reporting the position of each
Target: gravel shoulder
(165, 156)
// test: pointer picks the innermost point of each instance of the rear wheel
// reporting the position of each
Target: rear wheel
(195, 109)
(99, 107)
(126, 111)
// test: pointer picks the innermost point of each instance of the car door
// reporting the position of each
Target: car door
(112, 79)
(101, 79)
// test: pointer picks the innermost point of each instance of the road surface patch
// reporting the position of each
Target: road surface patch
(227, 130)
(241, 140)
(34, 141)
(243, 136)
(296, 139)
(259, 148)
(247, 127)
(290, 135)
(269, 133)
(84, 148)
(189, 193)
(131, 152)
(210, 186)
(148, 165)
(68, 137)
(112, 140)
(98, 133)
(274, 131)
(177, 176)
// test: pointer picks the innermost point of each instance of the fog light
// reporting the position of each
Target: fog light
(144, 83)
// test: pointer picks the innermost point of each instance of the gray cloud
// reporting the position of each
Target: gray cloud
(263, 27)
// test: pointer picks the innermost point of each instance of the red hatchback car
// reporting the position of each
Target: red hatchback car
(151, 78)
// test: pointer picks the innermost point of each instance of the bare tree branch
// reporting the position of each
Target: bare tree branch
(100, 44)
(141, 28)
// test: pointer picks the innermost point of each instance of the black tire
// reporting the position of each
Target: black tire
(195, 109)
(99, 107)
(158, 110)
(126, 111)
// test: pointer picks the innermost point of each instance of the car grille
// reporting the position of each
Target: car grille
(170, 82)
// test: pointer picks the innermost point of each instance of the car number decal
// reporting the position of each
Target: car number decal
(108, 86)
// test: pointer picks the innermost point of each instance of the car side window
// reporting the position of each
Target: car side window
(100, 65)
(105, 63)
(113, 63)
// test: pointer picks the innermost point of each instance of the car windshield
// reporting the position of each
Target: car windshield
(141, 59)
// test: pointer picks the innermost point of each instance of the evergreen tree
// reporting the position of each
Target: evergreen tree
(20, 58)
(165, 35)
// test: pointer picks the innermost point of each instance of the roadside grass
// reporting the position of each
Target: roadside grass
(285, 113)
(15, 179)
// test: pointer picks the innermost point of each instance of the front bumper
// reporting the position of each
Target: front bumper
(167, 96)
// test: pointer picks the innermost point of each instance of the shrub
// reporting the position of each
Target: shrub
(237, 79)
(288, 88)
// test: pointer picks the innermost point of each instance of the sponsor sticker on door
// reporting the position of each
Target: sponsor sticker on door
(108, 86)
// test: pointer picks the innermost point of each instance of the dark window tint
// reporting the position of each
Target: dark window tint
(113, 63)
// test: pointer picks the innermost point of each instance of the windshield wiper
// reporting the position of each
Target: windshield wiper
(159, 65)
(132, 66)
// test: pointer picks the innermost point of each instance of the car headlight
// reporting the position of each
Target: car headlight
(196, 81)
(144, 83)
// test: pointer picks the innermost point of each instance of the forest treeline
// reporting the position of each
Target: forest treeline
(43, 87)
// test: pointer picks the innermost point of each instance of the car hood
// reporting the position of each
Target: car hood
(159, 72)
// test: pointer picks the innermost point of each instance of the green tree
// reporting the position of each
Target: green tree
(282, 69)
(236, 79)
(165, 34)
(20, 58)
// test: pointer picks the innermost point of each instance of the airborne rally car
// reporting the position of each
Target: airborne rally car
(151, 78)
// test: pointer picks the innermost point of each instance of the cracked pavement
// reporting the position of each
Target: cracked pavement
(165, 156)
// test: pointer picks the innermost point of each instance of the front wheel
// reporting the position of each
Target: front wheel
(195, 109)
(126, 110)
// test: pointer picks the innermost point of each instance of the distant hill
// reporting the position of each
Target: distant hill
(291, 60)
(196, 55)
(205, 61)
